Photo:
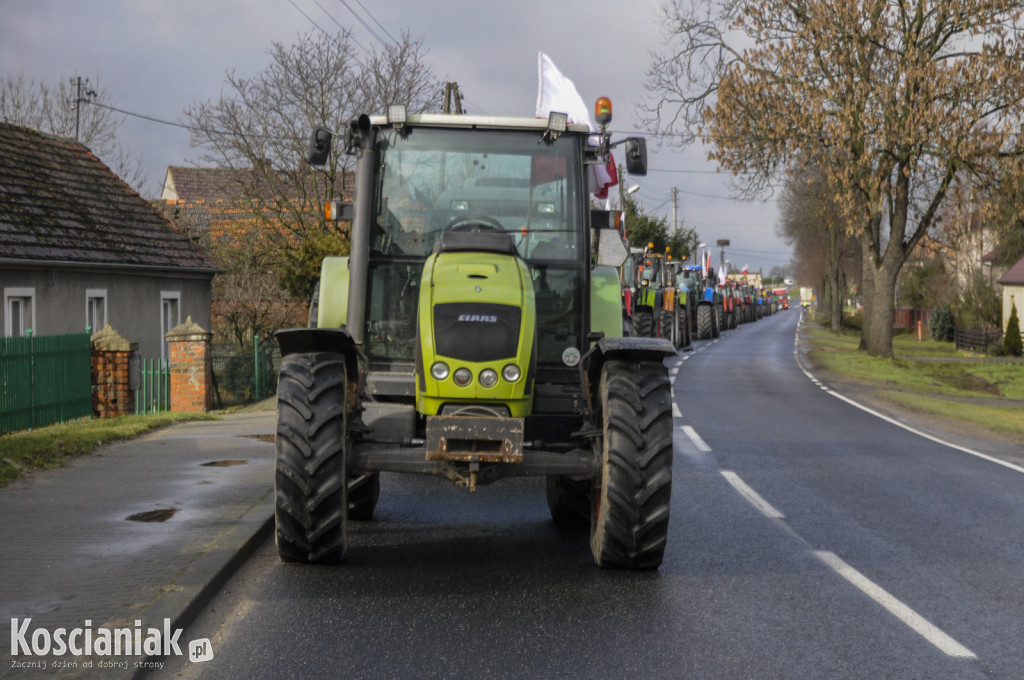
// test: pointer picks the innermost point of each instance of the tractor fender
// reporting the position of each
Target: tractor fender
(332, 293)
(630, 348)
(307, 340)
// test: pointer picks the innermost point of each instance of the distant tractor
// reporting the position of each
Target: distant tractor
(702, 303)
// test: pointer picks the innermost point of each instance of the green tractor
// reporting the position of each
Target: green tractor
(675, 322)
(653, 305)
(475, 333)
(646, 294)
(702, 303)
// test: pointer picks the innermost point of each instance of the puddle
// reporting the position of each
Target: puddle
(161, 515)
(224, 463)
(269, 438)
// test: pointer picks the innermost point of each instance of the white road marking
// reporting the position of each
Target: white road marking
(905, 614)
(908, 428)
(695, 438)
(676, 413)
(908, 616)
(752, 496)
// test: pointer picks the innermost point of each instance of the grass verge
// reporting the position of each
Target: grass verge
(931, 378)
(53, 446)
(1008, 420)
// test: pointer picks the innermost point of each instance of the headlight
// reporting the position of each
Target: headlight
(462, 377)
(511, 373)
(488, 377)
(439, 371)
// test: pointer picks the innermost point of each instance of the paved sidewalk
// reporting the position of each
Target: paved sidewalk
(146, 530)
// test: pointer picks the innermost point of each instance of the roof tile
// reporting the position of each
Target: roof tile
(58, 202)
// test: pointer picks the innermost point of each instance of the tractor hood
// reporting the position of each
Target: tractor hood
(476, 312)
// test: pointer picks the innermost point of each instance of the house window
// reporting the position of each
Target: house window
(170, 317)
(95, 309)
(19, 311)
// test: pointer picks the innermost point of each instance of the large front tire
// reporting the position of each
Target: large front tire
(685, 328)
(310, 484)
(629, 516)
(677, 335)
(704, 323)
(569, 500)
(363, 492)
(643, 323)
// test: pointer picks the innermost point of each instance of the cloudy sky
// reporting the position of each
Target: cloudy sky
(156, 57)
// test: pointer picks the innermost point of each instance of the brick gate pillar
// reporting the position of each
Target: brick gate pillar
(111, 392)
(191, 368)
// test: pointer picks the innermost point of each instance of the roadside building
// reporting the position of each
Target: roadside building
(79, 248)
(1013, 291)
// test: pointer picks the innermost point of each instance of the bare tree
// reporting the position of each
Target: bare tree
(811, 222)
(72, 105)
(259, 129)
(891, 99)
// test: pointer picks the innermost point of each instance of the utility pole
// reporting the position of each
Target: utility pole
(722, 243)
(675, 210)
(622, 200)
(622, 195)
(79, 100)
(452, 96)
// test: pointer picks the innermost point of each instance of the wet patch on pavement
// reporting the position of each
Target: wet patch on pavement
(161, 515)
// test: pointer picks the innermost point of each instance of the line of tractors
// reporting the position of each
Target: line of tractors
(668, 298)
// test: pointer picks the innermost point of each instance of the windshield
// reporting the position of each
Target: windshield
(433, 180)
(689, 278)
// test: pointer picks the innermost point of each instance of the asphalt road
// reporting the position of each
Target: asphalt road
(808, 539)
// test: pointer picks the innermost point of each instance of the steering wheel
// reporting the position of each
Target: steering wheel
(474, 222)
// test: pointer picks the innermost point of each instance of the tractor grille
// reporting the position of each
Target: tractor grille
(476, 331)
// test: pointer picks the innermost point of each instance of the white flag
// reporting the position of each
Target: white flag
(555, 92)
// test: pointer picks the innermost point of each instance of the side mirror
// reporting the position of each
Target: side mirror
(636, 156)
(319, 146)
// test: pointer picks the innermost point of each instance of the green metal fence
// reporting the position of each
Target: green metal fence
(154, 393)
(245, 376)
(44, 380)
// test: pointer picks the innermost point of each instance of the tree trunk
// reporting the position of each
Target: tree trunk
(867, 289)
(880, 279)
(837, 302)
(836, 299)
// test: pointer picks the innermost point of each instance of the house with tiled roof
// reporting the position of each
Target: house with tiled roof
(201, 199)
(247, 219)
(79, 248)
(1013, 291)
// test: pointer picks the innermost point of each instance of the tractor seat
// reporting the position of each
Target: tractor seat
(485, 241)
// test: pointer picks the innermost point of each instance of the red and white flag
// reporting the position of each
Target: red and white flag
(555, 92)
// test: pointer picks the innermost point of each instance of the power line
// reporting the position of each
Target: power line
(370, 14)
(694, 193)
(347, 33)
(365, 25)
(290, 2)
(191, 128)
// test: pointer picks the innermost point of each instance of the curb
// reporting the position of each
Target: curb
(201, 581)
